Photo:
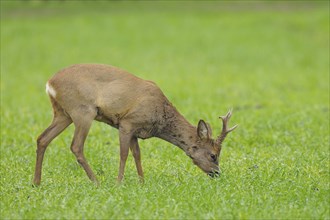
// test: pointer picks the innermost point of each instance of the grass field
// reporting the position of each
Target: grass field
(267, 60)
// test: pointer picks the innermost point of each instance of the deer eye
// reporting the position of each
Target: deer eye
(213, 157)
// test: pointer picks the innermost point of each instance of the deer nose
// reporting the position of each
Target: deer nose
(214, 173)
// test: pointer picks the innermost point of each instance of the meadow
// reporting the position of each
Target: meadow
(269, 61)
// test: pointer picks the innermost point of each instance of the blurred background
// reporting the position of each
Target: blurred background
(241, 51)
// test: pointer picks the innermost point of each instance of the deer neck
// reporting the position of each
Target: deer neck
(179, 132)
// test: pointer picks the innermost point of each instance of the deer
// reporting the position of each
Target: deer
(82, 93)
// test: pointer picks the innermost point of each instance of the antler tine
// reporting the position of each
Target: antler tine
(225, 130)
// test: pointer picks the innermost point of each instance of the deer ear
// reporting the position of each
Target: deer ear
(203, 130)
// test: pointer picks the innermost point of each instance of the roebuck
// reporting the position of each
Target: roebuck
(136, 107)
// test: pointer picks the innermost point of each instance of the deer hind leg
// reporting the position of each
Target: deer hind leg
(135, 148)
(82, 122)
(59, 123)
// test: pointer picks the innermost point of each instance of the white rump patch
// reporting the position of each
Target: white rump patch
(50, 90)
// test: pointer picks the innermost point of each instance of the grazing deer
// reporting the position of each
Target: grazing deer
(136, 107)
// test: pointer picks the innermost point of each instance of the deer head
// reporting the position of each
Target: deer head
(205, 154)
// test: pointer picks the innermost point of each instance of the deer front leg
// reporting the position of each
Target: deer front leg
(137, 157)
(126, 141)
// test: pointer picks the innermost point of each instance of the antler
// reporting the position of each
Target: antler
(225, 130)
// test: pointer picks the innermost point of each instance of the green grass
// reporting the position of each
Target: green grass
(267, 60)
